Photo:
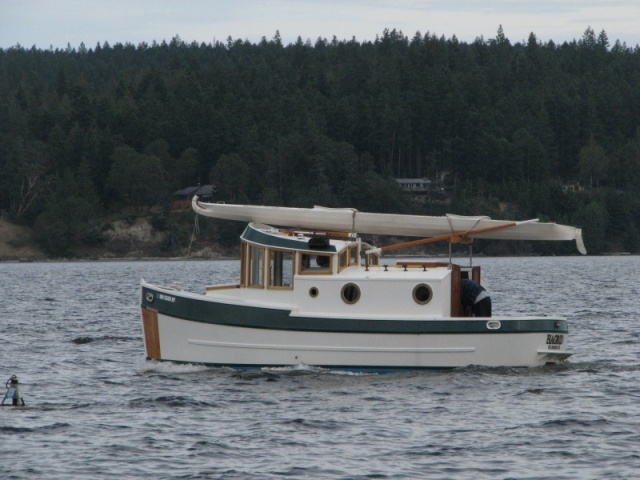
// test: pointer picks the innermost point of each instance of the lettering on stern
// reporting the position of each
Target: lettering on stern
(554, 342)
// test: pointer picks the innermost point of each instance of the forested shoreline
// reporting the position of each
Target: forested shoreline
(510, 130)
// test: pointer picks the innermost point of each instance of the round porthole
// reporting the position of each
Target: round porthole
(350, 293)
(313, 292)
(422, 294)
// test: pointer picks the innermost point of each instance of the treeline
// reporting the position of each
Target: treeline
(502, 129)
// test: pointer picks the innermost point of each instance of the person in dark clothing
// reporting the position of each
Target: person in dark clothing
(475, 298)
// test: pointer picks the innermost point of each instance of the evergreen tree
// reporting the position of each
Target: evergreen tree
(71, 216)
(330, 121)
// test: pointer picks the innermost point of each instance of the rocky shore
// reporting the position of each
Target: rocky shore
(16, 243)
(122, 241)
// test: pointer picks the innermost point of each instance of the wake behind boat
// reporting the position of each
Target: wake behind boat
(312, 292)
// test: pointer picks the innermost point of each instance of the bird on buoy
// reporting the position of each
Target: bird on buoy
(13, 393)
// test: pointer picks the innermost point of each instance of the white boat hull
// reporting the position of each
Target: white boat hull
(176, 339)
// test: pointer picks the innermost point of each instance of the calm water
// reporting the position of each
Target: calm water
(98, 409)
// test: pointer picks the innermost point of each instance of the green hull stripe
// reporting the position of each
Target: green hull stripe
(204, 311)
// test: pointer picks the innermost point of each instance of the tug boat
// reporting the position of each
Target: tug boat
(312, 292)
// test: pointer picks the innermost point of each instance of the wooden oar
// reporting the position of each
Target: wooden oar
(456, 237)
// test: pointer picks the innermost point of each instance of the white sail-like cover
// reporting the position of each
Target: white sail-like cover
(351, 220)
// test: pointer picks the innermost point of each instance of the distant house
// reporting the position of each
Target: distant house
(572, 187)
(182, 198)
(414, 185)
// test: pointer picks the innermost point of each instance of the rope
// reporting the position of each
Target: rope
(194, 234)
(470, 245)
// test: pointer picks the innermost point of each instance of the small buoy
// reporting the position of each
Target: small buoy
(13, 394)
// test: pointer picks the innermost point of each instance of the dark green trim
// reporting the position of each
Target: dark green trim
(252, 235)
(255, 317)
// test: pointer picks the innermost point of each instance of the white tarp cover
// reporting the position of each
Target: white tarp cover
(350, 220)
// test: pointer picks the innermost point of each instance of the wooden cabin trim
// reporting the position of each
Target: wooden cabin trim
(475, 274)
(456, 305)
(270, 286)
(311, 271)
(221, 287)
(343, 259)
(243, 264)
(262, 265)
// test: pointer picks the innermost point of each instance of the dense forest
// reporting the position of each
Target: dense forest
(519, 130)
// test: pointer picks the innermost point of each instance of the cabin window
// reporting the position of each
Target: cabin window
(280, 269)
(256, 266)
(315, 263)
(353, 256)
(422, 294)
(350, 293)
(343, 259)
(373, 259)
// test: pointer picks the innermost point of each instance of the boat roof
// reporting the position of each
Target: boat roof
(353, 221)
(288, 239)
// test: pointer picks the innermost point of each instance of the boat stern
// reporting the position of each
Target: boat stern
(554, 350)
(548, 358)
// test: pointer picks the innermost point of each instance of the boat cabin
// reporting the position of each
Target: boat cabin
(302, 268)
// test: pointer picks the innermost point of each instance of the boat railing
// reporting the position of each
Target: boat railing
(423, 265)
(222, 287)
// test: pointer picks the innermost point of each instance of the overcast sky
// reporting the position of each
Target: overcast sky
(56, 23)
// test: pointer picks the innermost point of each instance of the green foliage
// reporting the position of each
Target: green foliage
(594, 164)
(136, 179)
(594, 220)
(504, 126)
(231, 172)
(24, 178)
(71, 216)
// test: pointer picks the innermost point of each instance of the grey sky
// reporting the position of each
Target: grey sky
(56, 23)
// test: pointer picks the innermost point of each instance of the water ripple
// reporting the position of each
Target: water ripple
(97, 409)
